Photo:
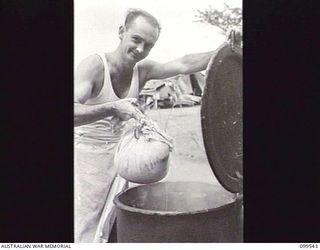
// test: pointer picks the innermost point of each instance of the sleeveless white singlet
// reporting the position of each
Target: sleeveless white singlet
(106, 130)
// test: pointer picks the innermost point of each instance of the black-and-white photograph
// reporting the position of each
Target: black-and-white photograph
(158, 121)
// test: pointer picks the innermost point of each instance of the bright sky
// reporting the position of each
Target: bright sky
(97, 22)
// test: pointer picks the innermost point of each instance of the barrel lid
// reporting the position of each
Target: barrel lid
(221, 116)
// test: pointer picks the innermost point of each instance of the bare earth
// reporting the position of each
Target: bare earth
(188, 161)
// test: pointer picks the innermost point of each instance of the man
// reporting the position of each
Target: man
(105, 85)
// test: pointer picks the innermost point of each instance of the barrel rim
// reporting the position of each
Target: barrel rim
(122, 206)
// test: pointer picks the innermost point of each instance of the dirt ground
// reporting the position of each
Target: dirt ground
(188, 161)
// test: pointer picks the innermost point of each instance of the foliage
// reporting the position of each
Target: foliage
(228, 18)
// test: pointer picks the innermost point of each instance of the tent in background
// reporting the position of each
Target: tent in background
(181, 90)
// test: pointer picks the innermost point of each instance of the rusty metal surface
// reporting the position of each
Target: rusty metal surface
(221, 117)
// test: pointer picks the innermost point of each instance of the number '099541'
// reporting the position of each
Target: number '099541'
(308, 245)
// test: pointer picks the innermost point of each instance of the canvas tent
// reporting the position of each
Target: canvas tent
(184, 89)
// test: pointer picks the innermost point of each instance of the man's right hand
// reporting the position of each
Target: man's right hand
(126, 109)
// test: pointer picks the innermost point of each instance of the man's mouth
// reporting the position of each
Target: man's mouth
(134, 55)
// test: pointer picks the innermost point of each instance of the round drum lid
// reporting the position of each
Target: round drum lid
(221, 116)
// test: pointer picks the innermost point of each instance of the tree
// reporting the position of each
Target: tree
(227, 19)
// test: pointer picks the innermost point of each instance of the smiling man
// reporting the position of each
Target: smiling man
(105, 87)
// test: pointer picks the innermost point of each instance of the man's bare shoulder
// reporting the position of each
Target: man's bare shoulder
(145, 67)
(92, 66)
(89, 75)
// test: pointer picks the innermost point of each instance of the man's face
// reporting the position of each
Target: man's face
(138, 39)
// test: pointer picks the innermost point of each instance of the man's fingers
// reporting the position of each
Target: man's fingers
(129, 108)
(133, 101)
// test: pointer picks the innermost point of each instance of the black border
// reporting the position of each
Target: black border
(281, 121)
(37, 76)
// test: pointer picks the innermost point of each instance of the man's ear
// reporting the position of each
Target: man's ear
(121, 31)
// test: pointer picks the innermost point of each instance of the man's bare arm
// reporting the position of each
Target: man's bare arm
(85, 114)
(124, 109)
(88, 73)
(187, 64)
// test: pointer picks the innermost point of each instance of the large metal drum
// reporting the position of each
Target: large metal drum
(193, 211)
(178, 212)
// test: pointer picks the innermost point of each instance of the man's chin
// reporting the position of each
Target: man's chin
(133, 56)
(134, 59)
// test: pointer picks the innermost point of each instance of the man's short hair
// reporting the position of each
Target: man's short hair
(133, 13)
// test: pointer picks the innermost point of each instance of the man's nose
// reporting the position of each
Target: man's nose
(139, 48)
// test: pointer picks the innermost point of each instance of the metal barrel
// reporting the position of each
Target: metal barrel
(178, 212)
